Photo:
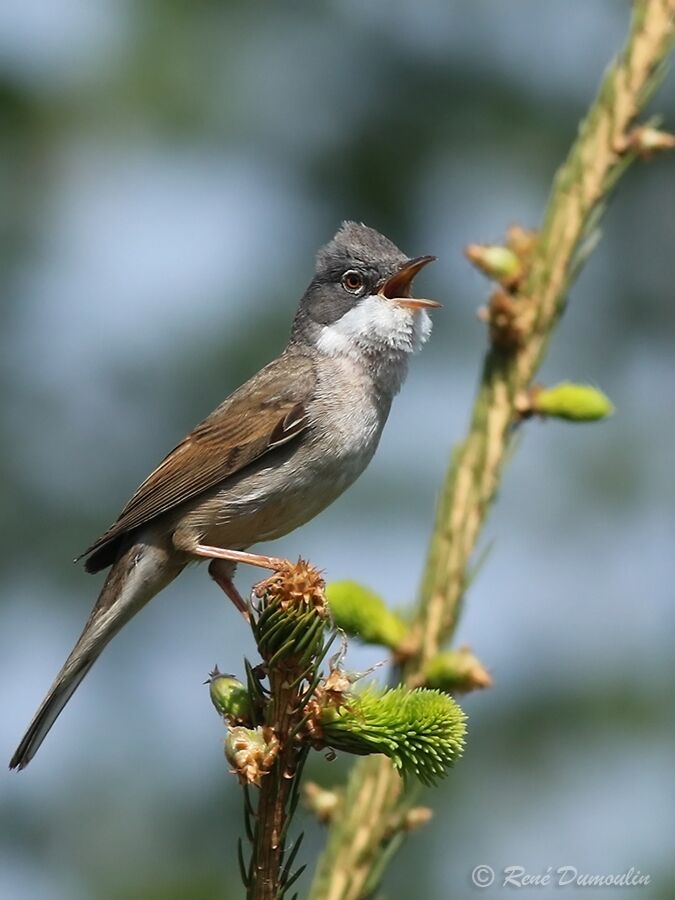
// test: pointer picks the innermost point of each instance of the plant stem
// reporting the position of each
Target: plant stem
(357, 842)
(272, 811)
(288, 617)
(268, 849)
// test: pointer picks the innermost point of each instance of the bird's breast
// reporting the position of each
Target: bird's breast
(291, 485)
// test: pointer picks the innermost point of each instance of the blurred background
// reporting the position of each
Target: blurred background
(167, 172)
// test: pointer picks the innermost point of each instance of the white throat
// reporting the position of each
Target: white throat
(379, 334)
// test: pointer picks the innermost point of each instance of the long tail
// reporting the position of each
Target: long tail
(139, 573)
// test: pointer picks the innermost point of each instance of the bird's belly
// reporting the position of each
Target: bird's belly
(290, 486)
(272, 502)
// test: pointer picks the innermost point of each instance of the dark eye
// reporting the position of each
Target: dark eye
(352, 281)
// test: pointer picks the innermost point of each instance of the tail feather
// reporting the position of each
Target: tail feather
(139, 573)
(50, 709)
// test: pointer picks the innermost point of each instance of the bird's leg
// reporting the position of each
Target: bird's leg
(239, 556)
(226, 584)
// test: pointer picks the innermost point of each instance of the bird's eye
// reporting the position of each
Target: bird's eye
(352, 281)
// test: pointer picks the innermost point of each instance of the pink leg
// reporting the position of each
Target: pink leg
(239, 556)
(226, 584)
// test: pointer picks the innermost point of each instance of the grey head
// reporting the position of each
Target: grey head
(358, 304)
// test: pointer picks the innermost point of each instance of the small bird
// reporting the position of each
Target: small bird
(275, 453)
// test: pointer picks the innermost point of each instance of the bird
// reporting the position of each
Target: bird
(269, 458)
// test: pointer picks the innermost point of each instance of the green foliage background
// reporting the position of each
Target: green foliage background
(167, 171)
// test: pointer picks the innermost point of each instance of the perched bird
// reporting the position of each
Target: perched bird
(275, 453)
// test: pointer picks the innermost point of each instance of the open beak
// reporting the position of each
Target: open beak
(397, 287)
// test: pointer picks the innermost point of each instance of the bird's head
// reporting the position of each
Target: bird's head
(359, 301)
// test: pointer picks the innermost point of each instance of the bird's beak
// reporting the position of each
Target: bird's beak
(397, 287)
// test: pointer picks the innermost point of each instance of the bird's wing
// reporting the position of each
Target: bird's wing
(266, 412)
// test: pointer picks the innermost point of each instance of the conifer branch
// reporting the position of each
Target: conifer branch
(289, 706)
(522, 314)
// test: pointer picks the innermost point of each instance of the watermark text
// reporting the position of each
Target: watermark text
(483, 876)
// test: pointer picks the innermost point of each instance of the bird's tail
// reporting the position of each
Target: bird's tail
(139, 572)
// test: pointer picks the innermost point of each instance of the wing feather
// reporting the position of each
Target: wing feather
(266, 412)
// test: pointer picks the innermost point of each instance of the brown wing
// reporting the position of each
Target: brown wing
(266, 412)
